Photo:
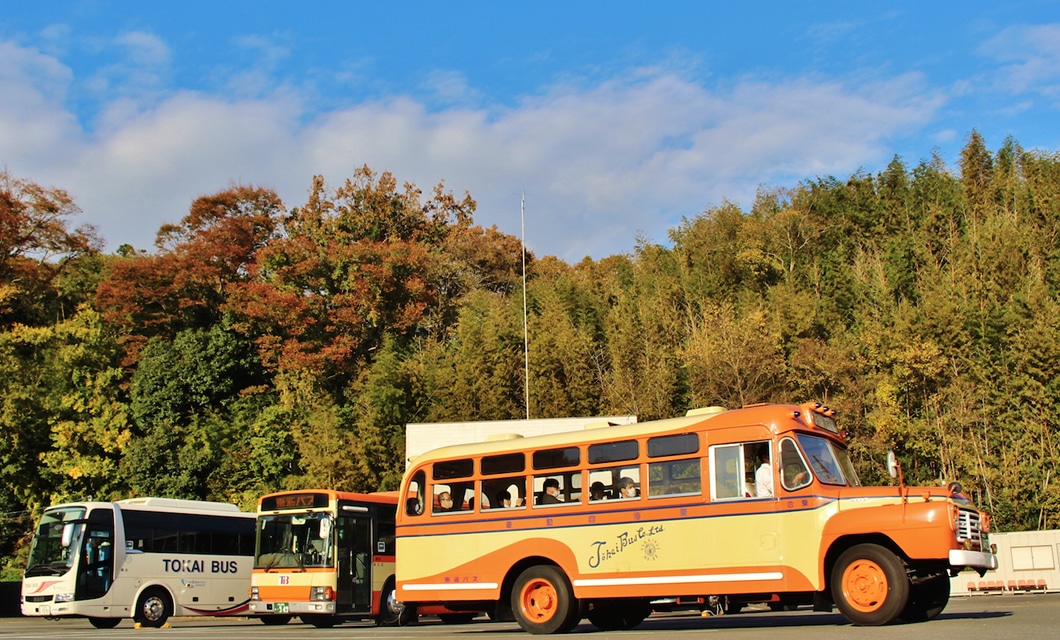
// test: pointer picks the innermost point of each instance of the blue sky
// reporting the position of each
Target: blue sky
(615, 119)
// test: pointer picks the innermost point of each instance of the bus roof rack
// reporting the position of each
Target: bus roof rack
(706, 411)
(497, 437)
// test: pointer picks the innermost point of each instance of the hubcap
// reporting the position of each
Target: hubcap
(153, 608)
(865, 585)
(539, 600)
(393, 605)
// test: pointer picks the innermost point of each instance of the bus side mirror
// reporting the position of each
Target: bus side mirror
(325, 528)
(68, 535)
(892, 464)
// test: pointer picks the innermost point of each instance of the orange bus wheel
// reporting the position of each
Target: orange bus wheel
(869, 585)
(543, 601)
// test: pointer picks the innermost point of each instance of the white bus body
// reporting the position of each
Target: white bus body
(142, 558)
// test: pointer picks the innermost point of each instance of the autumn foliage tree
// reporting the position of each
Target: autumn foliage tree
(351, 267)
(184, 285)
(36, 246)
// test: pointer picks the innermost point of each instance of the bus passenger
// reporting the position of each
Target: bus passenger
(445, 501)
(551, 495)
(795, 476)
(502, 500)
(764, 475)
(597, 492)
(626, 488)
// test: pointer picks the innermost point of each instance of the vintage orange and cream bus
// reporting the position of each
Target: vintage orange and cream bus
(600, 522)
(328, 556)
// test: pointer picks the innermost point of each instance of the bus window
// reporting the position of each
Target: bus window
(613, 452)
(674, 477)
(556, 458)
(627, 487)
(758, 461)
(503, 464)
(681, 444)
(453, 469)
(557, 488)
(793, 472)
(452, 497)
(385, 531)
(414, 498)
(823, 460)
(728, 478)
(611, 481)
(504, 493)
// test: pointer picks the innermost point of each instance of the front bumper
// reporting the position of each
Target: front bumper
(260, 607)
(975, 559)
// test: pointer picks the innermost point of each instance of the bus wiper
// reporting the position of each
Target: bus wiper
(43, 569)
(272, 563)
(823, 470)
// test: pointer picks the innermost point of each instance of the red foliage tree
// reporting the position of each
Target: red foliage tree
(352, 266)
(35, 247)
(185, 284)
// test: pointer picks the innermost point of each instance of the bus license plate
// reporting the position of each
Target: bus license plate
(281, 607)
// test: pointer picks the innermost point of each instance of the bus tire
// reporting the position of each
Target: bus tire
(275, 620)
(104, 623)
(618, 615)
(391, 612)
(543, 601)
(869, 585)
(153, 608)
(927, 599)
(320, 620)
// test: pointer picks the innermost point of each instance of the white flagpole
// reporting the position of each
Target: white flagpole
(526, 339)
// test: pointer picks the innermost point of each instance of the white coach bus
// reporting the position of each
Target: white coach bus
(142, 558)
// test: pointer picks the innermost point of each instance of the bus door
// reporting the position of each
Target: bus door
(741, 485)
(355, 563)
(95, 570)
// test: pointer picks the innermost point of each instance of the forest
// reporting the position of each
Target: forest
(260, 347)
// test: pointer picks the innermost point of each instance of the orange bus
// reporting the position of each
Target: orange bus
(325, 556)
(328, 557)
(599, 523)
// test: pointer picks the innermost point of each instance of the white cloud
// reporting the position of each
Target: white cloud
(144, 49)
(597, 164)
(35, 129)
(1031, 57)
(139, 73)
(449, 87)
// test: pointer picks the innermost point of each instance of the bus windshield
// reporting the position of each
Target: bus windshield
(830, 463)
(291, 541)
(48, 556)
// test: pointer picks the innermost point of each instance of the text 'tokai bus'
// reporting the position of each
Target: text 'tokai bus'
(142, 558)
(328, 556)
(758, 501)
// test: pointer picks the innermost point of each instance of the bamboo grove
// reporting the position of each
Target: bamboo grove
(260, 347)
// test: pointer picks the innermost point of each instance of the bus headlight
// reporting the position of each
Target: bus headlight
(322, 593)
(254, 595)
(64, 597)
